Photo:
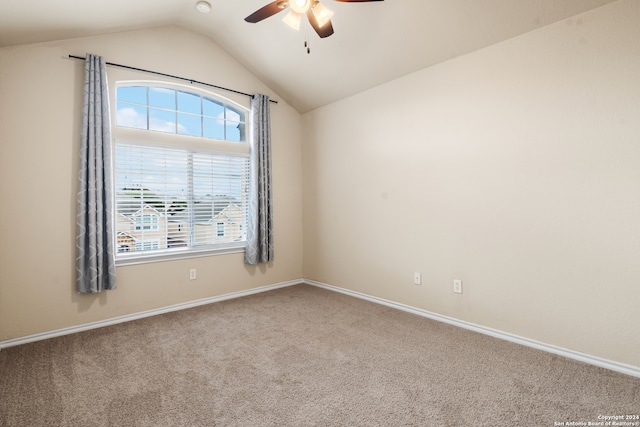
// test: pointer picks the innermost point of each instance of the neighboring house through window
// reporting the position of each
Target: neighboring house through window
(181, 171)
(147, 221)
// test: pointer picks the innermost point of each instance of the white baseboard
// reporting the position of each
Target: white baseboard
(582, 357)
(141, 315)
(571, 354)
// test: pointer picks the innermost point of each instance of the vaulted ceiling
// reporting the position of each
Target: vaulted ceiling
(373, 42)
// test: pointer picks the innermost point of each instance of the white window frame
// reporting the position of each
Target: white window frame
(151, 138)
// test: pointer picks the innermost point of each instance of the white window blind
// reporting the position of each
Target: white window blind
(172, 200)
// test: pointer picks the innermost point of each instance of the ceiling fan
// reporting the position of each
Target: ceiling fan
(318, 15)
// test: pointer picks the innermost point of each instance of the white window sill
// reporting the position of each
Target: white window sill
(160, 256)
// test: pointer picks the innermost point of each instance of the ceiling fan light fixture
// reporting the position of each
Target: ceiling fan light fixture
(300, 6)
(293, 19)
(322, 14)
(203, 7)
(318, 15)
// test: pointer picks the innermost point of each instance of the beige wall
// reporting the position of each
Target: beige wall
(515, 168)
(40, 97)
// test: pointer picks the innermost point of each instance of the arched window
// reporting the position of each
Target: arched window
(165, 109)
(181, 170)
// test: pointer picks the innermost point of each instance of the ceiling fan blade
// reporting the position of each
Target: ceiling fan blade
(267, 11)
(325, 31)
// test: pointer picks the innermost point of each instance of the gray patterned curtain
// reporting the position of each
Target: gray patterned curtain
(95, 263)
(259, 230)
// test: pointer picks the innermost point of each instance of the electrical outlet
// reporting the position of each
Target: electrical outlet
(457, 286)
(417, 279)
(192, 274)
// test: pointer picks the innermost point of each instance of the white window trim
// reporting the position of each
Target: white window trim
(130, 258)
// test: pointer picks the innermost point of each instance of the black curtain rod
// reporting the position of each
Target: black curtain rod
(172, 76)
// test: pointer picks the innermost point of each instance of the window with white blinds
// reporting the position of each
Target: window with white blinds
(183, 194)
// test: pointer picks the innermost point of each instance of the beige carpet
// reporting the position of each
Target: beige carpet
(299, 356)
